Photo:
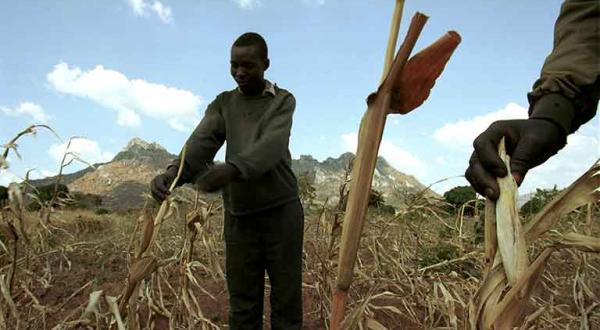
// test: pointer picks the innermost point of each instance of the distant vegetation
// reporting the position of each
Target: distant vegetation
(3, 195)
(459, 196)
(44, 194)
(539, 200)
(75, 200)
(418, 265)
(306, 188)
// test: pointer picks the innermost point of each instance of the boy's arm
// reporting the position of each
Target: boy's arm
(569, 86)
(270, 148)
(203, 144)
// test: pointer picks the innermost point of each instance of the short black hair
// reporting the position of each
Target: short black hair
(253, 38)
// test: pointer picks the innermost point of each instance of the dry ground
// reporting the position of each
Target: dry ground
(81, 252)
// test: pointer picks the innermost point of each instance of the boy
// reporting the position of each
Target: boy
(264, 219)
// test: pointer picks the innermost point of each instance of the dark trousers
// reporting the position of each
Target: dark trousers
(269, 240)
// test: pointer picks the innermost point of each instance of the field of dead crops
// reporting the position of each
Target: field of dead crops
(424, 267)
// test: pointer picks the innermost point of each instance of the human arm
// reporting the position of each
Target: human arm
(202, 146)
(563, 98)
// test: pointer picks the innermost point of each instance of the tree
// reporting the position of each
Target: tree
(376, 201)
(45, 193)
(376, 198)
(306, 188)
(460, 195)
(3, 195)
(539, 200)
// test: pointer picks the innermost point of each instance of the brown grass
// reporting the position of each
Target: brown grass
(403, 280)
(415, 270)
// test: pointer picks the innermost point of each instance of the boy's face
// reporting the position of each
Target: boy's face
(248, 68)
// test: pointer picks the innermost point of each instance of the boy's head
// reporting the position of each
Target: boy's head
(249, 61)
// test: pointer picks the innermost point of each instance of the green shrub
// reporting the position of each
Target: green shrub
(100, 211)
(81, 200)
(306, 188)
(458, 196)
(438, 253)
(45, 193)
(444, 252)
(3, 195)
(538, 201)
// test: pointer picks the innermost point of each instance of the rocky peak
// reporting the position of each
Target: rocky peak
(140, 151)
(137, 143)
(338, 164)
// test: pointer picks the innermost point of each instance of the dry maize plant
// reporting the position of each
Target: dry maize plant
(407, 82)
(509, 279)
(13, 227)
(142, 302)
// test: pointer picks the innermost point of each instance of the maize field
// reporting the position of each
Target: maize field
(425, 267)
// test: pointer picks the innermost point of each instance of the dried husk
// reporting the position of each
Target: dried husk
(147, 235)
(112, 304)
(15, 198)
(421, 72)
(490, 309)
(509, 312)
(584, 190)
(581, 242)
(9, 231)
(491, 240)
(92, 306)
(510, 234)
(142, 268)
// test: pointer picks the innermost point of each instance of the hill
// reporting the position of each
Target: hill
(123, 181)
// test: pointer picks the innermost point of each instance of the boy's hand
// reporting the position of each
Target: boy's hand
(529, 142)
(217, 176)
(159, 187)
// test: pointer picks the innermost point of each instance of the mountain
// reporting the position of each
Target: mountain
(124, 181)
(139, 151)
(327, 176)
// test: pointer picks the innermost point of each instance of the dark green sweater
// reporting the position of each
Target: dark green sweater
(571, 73)
(257, 132)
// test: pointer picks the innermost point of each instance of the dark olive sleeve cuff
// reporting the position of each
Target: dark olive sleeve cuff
(173, 168)
(243, 170)
(556, 108)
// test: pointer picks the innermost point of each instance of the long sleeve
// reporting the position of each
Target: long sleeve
(272, 144)
(203, 144)
(571, 72)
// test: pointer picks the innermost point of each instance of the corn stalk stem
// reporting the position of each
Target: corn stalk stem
(148, 239)
(369, 139)
(393, 39)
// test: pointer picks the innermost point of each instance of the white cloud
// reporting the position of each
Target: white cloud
(314, 2)
(28, 109)
(86, 149)
(40, 174)
(137, 6)
(130, 98)
(7, 177)
(582, 150)
(461, 134)
(248, 4)
(566, 166)
(399, 158)
(164, 13)
(141, 8)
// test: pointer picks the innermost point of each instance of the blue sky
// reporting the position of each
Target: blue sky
(117, 69)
